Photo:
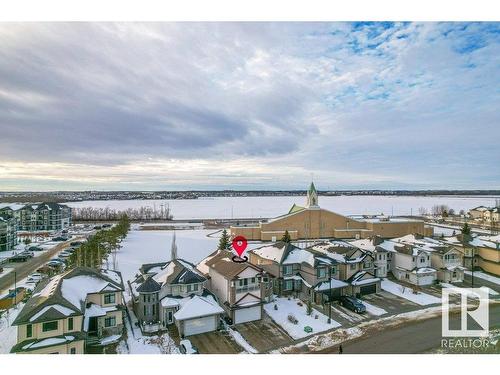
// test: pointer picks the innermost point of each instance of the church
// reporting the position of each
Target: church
(314, 222)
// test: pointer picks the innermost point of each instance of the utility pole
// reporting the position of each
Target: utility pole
(330, 296)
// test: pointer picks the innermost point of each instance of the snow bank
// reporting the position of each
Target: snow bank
(484, 276)
(241, 341)
(421, 299)
(296, 331)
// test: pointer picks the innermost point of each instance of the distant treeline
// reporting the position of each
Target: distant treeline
(108, 214)
(76, 196)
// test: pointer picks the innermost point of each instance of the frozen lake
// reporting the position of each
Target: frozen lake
(257, 207)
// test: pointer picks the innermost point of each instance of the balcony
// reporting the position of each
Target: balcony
(247, 288)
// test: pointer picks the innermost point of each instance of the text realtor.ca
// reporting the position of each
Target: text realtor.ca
(474, 305)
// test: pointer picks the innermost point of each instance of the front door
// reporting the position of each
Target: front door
(170, 317)
(92, 325)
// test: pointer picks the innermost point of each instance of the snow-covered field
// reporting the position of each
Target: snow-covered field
(484, 276)
(8, 333)
(421, 299)
(227, 207)
(149, 246)
(286, 307)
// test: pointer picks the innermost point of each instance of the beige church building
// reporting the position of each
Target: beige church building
(313, 222)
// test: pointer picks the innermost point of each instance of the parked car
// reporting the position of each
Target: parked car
(34, 278)
(34, 248)
(19, 258)
(76, 243)
(186, 347)
(352, 304)
(98, 227)
(58, 239)
(28, 253)
(64, 254)
(106, 225)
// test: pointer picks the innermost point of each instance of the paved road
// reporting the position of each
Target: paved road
(416, 337)
(24, 269)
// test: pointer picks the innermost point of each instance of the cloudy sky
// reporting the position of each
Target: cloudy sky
(249, 106)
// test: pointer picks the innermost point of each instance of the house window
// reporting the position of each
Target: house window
(422, 260)
(72, 351)
(153, 308)
(29, 330)
(189, 288)
(109, 298)
(70, 324)
(321, 272)
(110, 321)
(253, 280)
(195, 287)
(287, 270)
(145, 311)
(288, 285)
(50, 326)
(144, 298)
(407, 276)
(367, 265)
(352, 266)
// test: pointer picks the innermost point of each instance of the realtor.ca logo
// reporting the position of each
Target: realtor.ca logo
(474, 316)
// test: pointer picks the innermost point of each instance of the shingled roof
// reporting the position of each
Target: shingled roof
(223, 264)
(149, 286)
(53, 300)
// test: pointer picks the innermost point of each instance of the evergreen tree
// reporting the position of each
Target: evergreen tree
(466, 229)
(309, 307)
(286, 237)
(224, 242)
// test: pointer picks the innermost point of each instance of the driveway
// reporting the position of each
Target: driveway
(391, 303)
(264, 334)
(218, 342)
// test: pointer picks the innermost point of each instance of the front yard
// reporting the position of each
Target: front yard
(288, 310)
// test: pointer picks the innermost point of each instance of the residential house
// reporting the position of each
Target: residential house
(356, 266)
(300, 272)
(241, 287)
(447, 260)
(70, 311)
(412, 263)
(382, 252)
(174, 293)
(478, 251)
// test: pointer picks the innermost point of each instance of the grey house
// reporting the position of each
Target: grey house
(173, 293)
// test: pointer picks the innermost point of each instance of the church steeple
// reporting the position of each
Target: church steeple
(173, 249)
(312, 196)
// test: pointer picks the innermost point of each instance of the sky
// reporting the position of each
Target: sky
(180, 106)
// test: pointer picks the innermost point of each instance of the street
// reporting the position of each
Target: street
(411, 338)
(24, 269)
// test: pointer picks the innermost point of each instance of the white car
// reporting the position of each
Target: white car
(34, 278)
(64, 254)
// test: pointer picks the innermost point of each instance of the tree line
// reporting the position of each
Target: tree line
(100, 250)
(110, 214)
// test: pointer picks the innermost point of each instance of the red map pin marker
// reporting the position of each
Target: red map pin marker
(240, 244)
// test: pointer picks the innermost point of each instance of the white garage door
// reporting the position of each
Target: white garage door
(247, 315)
(199, 325)
(425, 280)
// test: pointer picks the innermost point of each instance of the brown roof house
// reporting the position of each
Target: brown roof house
(241, 288)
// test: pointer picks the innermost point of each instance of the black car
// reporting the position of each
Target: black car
(76, 243)
(352, 304)
(57, 239)
(35, 248)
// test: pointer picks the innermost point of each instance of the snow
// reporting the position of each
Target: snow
(75, 290)
(299, 256)
(366, 281)
(297, 278)
(140, 247)
(169, 302)
(162, 276)
(296, 331)
(49, 342)
(197, 306)
(421, 299)
(110, 339)
(458, 290)
(374, 310)
(334, 284)
(240, 340)
(273, 253)
(267, 207)
(63, 310)
(8, 332)
(484, 276)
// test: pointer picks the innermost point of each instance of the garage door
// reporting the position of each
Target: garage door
(425, 280)
(247, 315)
(368, 289)
(199, 325)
